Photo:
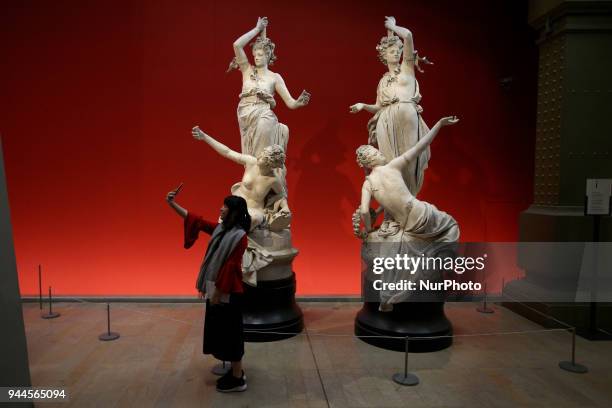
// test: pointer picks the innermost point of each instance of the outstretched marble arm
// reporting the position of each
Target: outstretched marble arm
(358, 107)
(412, 153)
(222, 149)
(373, 108)
(291, 103)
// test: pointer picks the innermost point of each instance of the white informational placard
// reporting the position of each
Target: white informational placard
(598, 193)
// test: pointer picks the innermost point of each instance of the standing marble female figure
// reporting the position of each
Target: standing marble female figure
(259, 126)
(397, 124)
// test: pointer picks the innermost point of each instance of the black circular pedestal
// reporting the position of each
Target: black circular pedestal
(270, 307)
(417, 319)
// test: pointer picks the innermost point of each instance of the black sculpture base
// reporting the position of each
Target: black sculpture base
(271, 308)
(417, 319)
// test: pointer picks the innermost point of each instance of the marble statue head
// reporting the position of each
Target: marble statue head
(390, 48)
(272, 156)
(263, 51)
(368, 156)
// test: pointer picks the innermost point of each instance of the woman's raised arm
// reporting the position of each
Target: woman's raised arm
(241, 59)
(174, 205)
(408, 58)
(222, 149)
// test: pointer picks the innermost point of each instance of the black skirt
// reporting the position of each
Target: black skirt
(223, 330)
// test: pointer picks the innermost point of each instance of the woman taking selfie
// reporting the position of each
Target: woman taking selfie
(220, 283)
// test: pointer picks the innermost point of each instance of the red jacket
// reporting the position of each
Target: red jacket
(229, 278)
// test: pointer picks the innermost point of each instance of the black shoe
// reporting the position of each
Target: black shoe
(229, 383)
(229, 374)
(223, 378)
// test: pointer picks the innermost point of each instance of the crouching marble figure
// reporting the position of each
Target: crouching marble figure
(266, 197)
(411, 227)
(269, 293)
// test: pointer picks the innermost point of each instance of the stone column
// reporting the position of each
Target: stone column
(573, 131)
(14, 368)
(574, 126)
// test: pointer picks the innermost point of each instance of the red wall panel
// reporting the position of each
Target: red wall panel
(98, 99)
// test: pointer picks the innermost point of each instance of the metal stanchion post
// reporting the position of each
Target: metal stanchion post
(109, 335)
(51, 314)
(484, 308)
(406, 378)
(572, 366)
(220, 369)
(40, 286)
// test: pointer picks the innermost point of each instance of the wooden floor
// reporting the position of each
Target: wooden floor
(158, 362)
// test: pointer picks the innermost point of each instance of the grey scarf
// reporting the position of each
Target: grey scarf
(219, 249)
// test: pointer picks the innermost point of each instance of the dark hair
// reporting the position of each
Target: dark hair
(238, 215)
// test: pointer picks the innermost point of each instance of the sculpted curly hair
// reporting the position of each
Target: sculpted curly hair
(386, 42)
(267, 46)
(273, 156)
(366, 155)
(260, 43)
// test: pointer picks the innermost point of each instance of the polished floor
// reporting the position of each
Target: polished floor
(158, 362)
